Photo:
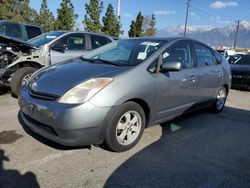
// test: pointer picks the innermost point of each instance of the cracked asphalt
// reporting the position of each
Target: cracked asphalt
(197, 150)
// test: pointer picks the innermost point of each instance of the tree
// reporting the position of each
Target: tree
(92, 17)
(17, 10)
(23, 12)
(65, 16)
(111, 24)
(45, 17)
(6, 7)
(136, 26)
(132, 31)
(148, 26)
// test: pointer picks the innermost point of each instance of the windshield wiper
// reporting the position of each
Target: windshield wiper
(106, 62)
(88, 60)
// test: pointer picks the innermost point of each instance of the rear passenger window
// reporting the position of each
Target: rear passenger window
(98, 41)
(204, 55)
(179, 52)
(32, 31)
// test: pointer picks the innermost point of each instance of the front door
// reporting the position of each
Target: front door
(176, 91)
(74, 46)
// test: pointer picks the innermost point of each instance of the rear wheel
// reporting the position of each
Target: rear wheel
(220, 100)
(20, 77)
(125, 128)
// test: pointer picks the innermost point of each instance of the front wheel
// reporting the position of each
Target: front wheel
(21, 76)
(125, 128)
(220, 100)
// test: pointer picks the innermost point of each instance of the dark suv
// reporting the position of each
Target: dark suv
(19, 30)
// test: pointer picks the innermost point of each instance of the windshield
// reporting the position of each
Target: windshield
(126, 52)
(44, 38)
(244, 60)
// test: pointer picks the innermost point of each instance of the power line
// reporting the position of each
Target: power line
(185, 29)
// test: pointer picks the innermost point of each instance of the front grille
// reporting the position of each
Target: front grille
(42, 95)
(41, 125)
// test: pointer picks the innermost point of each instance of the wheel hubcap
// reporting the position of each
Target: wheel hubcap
(26, 79)
(221, 98)
(128, 128)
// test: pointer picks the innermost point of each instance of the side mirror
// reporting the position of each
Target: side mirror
(170, 66)
(58, 48)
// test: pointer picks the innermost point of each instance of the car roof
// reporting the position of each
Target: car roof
(92, 33)
(9, 21)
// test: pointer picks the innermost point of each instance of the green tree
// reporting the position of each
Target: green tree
(132, 31)
(91, 20)
(148, 26)
(111, 24)
(45, 17)
(7, 9)
(65, 16)
(23, 12)
(136, 26)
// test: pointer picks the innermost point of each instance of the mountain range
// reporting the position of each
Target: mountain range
(215, 36)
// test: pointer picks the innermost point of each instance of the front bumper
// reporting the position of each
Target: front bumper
(66, 124)
(241, 81)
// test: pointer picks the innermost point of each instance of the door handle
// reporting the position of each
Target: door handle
(219, 74)
(192, 78)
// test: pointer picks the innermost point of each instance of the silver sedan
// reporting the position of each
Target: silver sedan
(112, 93)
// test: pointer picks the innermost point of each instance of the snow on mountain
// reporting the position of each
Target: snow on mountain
(218, 36)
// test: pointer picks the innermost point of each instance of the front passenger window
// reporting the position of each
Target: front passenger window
(179, 52)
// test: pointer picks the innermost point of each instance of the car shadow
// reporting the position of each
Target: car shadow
(196, 150)
(46, 141)
(13, 178)
(4, 90)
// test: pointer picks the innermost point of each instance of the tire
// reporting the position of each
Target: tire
(18, 77)
(122, 134)
(220, 101)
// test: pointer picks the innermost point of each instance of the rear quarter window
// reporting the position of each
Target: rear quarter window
(204, 55)
(32, 31)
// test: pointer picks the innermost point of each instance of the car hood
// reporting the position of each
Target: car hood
(240, 68)
(56, 80)
(21, 45)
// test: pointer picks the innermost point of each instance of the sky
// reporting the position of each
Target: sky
(167, 12)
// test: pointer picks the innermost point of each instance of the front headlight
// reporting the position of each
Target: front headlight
(85, 91)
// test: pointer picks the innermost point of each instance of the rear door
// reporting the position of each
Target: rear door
(74, 46)
(209, 76)
(176, 91)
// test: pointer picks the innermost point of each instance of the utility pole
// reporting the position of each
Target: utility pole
(185, 29)
(118, 9)
(236, 33)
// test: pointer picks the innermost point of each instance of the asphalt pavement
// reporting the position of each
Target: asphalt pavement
(197, 150)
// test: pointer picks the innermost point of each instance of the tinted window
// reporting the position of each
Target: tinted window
(179, 52)
(204, 55)
(72, 42)
(218, 57)
(244, 60)
(32, 31)
(11, 30)
(98, 41)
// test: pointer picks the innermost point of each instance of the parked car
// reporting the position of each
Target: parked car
(19, 60)
(241, 72)
(233, 58)
(112, 93)
(19, 30)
